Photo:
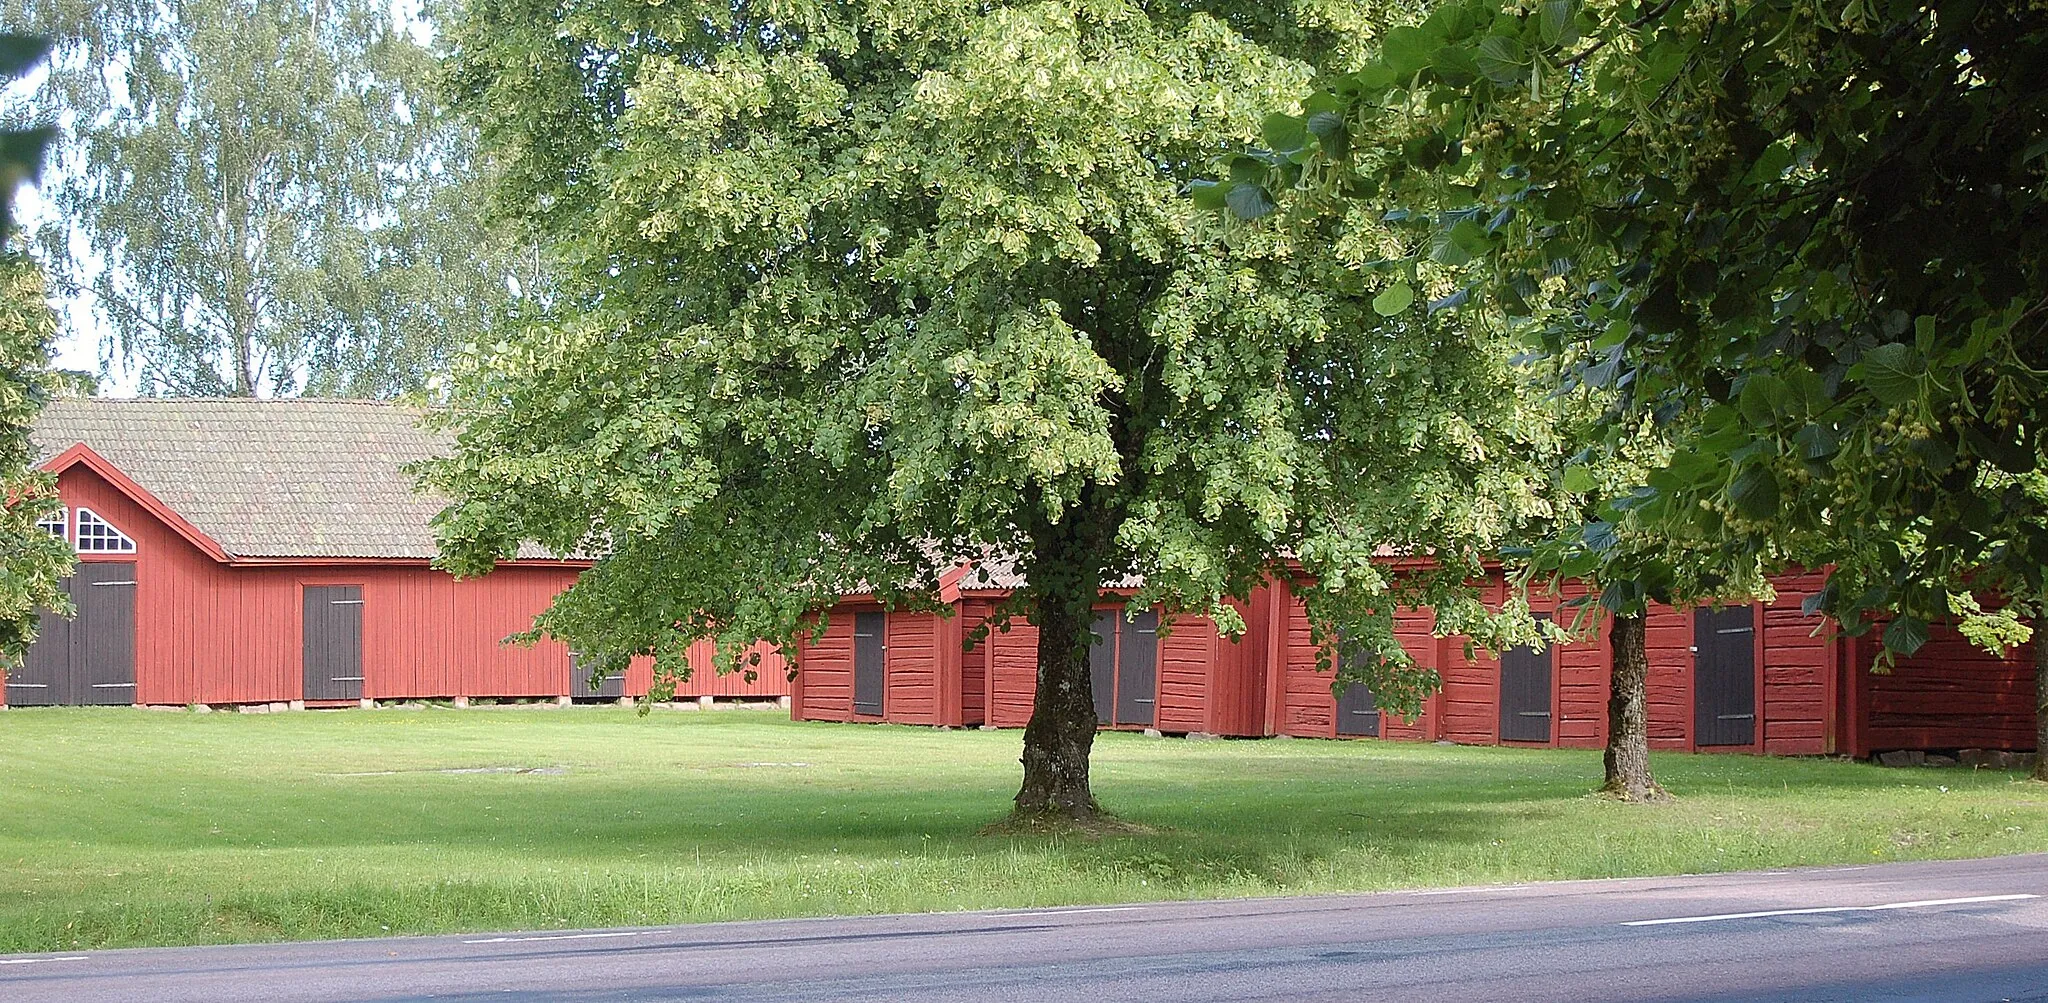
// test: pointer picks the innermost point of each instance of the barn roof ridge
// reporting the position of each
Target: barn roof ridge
(268, 479)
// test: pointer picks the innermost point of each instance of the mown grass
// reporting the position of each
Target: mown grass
(121, 827)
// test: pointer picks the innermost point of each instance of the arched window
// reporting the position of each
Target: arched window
(98, 536)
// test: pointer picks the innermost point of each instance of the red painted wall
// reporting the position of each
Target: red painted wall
(1206, 682)
(213, 633)
(1950, 694)
(911, 651)
(1795, 688)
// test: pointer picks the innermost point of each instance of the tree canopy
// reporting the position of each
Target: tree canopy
(262, 197)
(1803, 238)
(855, 291)
(1806, 236)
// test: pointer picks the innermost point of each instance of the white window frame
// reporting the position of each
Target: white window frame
(57, 523)
(122, 542)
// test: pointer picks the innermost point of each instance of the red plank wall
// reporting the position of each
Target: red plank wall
(212, 633)
(1205, 682)
(1950, 694)
(913, 652)
(1794, 696)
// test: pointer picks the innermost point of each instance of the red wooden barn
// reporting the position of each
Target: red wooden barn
(241, 552)
(1759, 677)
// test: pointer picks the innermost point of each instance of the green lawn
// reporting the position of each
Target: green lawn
(122, 827)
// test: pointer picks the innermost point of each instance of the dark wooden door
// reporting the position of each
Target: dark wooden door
(90, 657)
(1137, 669)
(1525, 691)
(611, 687)
(102, 641)
(333, 647)
(1724, 676)
(1102, 664)
(1357, 713)
(870, 659)
(44, 677)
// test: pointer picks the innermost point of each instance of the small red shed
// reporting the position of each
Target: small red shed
(236, 551)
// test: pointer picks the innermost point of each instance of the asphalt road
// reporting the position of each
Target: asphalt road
(1943, 931)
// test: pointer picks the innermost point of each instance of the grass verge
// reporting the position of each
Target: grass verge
(125, 828)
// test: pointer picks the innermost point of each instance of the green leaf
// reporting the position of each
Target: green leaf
(1393, 299)
(1249, 201)
(1283, 133)
(1407, 50)
(1764, 399)
(1503, 60)
(1905, 635)
(1771, 164)
(1209, 194)
(1374, 77)
(1579, 480)
(1328, 129)
(1755, 493)
(1890, 372)
(1454, 65)
(1471, 238)
(1557, 20)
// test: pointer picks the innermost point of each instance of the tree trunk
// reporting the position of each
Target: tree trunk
(1066, 577)
(1628, 724)
(2041, 696)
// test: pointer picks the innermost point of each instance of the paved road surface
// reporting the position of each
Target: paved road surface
(1946, 931)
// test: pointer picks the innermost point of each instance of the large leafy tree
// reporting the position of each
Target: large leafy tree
(1814, 229)
(856, 290)
(263, 196)
(32, 560)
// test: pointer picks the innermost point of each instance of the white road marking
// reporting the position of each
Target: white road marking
(1072, 912)
(559, 936)
(31, 961)
(1923, 904)
(1471, 891)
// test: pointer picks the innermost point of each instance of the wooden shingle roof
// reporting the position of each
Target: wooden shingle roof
(267, 478)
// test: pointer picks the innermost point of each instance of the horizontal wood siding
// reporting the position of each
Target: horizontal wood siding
(824, 686)
(1583, 673)
(1667, 640)
(1471, 693)
(1795, 708)
(1310, 708)
(1414, 629)
(1188, 650)
(973, 665)
(1950, 694)
(910, 673)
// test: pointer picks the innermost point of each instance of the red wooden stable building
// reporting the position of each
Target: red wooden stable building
(1760, 677)
(244, 552)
